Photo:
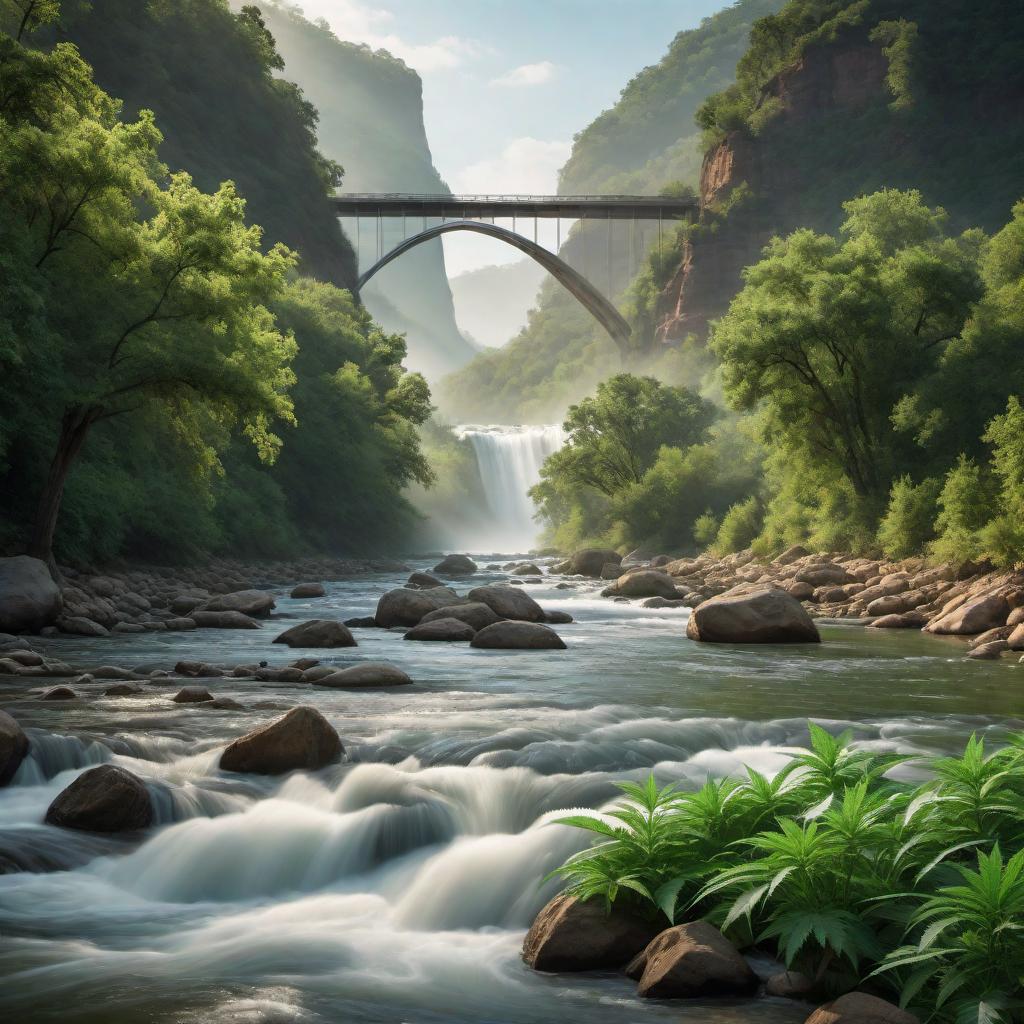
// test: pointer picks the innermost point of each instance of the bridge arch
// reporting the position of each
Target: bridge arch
(600, 308)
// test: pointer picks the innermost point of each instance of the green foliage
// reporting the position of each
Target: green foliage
(837, 865)
(740, 526)
(909, 521)
(965, 506)
(705, 529)
(898, 39)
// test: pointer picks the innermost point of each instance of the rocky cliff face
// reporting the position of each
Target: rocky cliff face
(782, 188)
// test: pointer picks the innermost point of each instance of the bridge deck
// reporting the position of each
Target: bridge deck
(468, 207)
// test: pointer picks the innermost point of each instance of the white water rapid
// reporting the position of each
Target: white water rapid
(510, 459)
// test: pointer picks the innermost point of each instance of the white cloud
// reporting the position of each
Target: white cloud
(359, 23)
(527, 75)
(525, 166)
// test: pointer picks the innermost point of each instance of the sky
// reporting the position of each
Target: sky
(507, 83)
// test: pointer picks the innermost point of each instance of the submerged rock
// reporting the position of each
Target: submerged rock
(302, 739)
(308, 590)
(192, 695)
(361, 622)
(524, 636)
(59, 693)
(442, 629)
(423, 580)
(317, 633)
(766, 616)
(507, 603)
(122, 690)
(254, 603)
(29, 597)
(556, 618)
(103, 799)
(13, 747)
(691, 960)
(571, 935)
(369, 674)
(860, 1008)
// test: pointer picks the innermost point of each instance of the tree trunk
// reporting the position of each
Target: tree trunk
(74, 429)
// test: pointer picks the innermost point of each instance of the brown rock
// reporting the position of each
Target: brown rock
(691, 960)
(254, 603)
(308, 590)
(860, 1008)
(103, 799)
(456, 565)
(1015, 641)
(368, 674)
(991, 651)
(645, 583)
(801, 591)
(444, 629)
(122, 690)
(764, 616)
(523, 636)
(590, 561)
(570, 935)
(404, 607)
(975, 616)
(475, 614)
(13, 747)
(59, 693)
(788, 985)
(508, 603)
(423, 580)
(223, 620)
(317, 633)
(1016, 617)
(302, 739)
(908, 620)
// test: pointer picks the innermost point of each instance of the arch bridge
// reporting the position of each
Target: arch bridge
(435, 215)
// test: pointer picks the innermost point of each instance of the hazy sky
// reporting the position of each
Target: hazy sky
(506, 83)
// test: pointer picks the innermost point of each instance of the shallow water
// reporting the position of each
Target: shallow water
(397, 885)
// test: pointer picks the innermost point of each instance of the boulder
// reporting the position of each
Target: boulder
(32, 659)
(571, 935)
(103, 799)
(29, 597)
(860, 1008)
(507, 603)
(369, 674)
(423, 580)
(665, 602)
(311, 675)
(1015, 641)
(972, 617)
(223, 620)
(475, 614)
(801, 591)
(442, 629)
(526, 569)
(403, 607)
(610, 571)
(907, 620)
(302, 740)
(788, 985)
(556, 618)
(361, 622)
(590, 561)
(518, 636)
(185, 604)
(192, 695)
(823, 573)
(456, 565)
(122, 690)
(790, 555)
(645, 583)
(760, 617)
(1016, 617)
(992, 651)
(13, 747)
(889, 604)
(79, 625)
(254, 603)
(317, 633)
(689, 961)
(180, 624)
(59, 693)
(308, 590)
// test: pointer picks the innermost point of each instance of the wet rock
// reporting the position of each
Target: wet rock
(860, 1008)
(129, 627)
(889, 604)
(423, 580)
(185, 604)
(1016, 617)
(590, 561)
(179, 624)
(59, 693)
(311, 675)
(906, 620)
(221, 704)
(223, 620)
(644, 583)
(665, 602)
(475, 614)
(759, 617)
(280, 675)
(308, 590)
(122, 690)
(822, 574)
(403, 607)
(13, 747)
(992, 651)
(521, 636)
(79, 625)
(361, 622)
(507, 603)
(29, 598)
(610, 571)
(302, 739)
(456, 565)
(369, 674)
(192, 695)
(114, 672)
(691, 960)
(442, 629)
(571, 935)
(526, 569)
(28, 658)
(242, 671)
(1015, 641)
(973, 616)
(317, 633)
(253, 603)
(304, 663)
(788, 985)
(557, 618)
(103, 799)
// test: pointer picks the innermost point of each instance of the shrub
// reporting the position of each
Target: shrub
(740, 525)
(909, 522)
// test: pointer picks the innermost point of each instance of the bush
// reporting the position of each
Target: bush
(909, 522)
(740, 526)
(705, 529)
(966, 504)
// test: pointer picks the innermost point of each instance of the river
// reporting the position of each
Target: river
(397, 886)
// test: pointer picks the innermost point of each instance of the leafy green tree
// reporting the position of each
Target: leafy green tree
(966, 504)
(740, 525)
(909, 521)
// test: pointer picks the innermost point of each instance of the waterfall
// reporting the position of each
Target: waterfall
(510, 459)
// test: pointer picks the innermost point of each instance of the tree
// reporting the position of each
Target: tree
(829, 333)
(129, 288)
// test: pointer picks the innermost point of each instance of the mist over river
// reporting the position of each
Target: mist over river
(398, 884)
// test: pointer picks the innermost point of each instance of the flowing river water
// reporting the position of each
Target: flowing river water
(397, 885)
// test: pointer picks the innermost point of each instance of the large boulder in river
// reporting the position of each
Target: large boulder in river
(441, 630)
(644, 583)
(224, 620)
(13, 747)
(103, 799)
(590, 561)
(860, 1008)
(518, 636)
(308, 590)
(301, 740)
(475, 614)
(254, 603)
(690, 961)
(423, 581)
(403, 607)
(317, 633)
(972, 617)
(456, 565)
(368, 674)
(508, 603)
(29, 598)
(765, 616)
(572, 935)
